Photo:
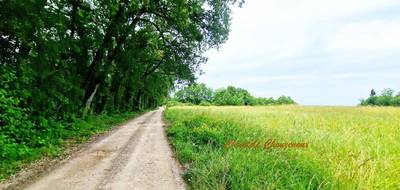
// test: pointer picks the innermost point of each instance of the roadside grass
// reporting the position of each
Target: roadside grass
(349, 147)
(55, 139)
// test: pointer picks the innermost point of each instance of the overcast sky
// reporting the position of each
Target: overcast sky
(319, 52)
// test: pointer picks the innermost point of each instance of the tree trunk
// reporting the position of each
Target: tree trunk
(89, 101)
(92, 77)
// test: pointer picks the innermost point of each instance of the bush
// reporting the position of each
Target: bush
(205, 103)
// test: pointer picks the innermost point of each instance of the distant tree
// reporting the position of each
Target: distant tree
(373, 93)
(233, 96)
(386, 98)
(226, 97)
(200, 94)
(195, 94)
(396, 101)
(245, 97)
(372, 100)
(264, 101)
(285, 100)
(387, 92)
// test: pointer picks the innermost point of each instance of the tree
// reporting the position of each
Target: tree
(185, 29)
(264, 101)
(386, 98)
(73, 56)
(373, 93)
(387, 92)
(285, 100)
(195, 94)
(201, 94)
(233, 96)
(62, 60)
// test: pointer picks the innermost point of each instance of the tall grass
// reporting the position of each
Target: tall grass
(349, 147)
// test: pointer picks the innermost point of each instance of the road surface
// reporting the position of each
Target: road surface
(136, 156)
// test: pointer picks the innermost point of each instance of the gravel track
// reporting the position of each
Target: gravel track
(135, 156)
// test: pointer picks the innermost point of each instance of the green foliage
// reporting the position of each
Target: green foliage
(264, 101)
(285, 100)
(63, 61)
(205, 103)
(386, 98)
(233, 96)
(271, 101)
(200, 94)
(195, 93)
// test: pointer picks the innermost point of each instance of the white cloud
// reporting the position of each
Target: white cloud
(300, 46)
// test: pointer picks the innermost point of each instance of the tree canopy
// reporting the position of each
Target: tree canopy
(75, 56)
(200, 93)
(232, 96)
(60, 60)
(195, 94)
(386, 98)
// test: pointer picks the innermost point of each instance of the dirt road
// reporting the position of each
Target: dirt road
(136, 156)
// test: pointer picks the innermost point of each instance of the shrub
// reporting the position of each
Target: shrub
(205, 103)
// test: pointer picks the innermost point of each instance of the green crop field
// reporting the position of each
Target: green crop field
(241, 147)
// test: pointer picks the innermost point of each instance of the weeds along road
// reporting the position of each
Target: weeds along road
(135, 156)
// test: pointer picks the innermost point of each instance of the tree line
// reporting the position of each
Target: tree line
(200, 94)
(386, 98)
(67, 59)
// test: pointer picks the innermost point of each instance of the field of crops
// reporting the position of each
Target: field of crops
(263, 147)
